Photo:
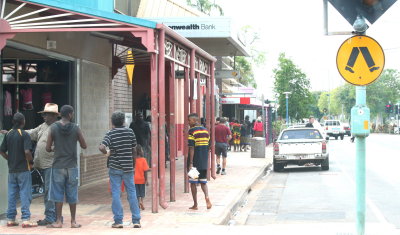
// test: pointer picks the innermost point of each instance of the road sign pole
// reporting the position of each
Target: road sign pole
(361, 95)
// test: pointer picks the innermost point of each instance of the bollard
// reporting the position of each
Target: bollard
(257, 147)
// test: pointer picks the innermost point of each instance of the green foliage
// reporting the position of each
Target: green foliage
(249, 37)
(385, 89)
(246, 71)
(379, 93)
(205, 6)
(289, 78)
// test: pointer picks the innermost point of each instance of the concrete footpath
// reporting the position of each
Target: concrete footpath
(226, 193)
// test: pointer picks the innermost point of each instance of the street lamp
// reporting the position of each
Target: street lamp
(329, 104)
(287, 93)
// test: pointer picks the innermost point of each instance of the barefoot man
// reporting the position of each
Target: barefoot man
(64, 172)
(198, 141)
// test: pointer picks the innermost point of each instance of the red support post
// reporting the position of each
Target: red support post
(154, 131)
(192, 74)
(212, 121)
(161, 118)
(172, 131)
(208, 119)
(185, 130)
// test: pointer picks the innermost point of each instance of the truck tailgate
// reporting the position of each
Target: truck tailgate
(300, 148)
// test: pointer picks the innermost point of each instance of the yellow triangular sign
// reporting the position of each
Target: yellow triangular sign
(130, 67)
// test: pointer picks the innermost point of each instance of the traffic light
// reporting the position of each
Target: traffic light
(389, 108)
(396, 109)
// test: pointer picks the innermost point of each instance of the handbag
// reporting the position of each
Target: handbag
(193, 173)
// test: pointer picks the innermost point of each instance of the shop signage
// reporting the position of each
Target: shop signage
(235, 100)
(179, 74)
(194, 88)
(199, 27)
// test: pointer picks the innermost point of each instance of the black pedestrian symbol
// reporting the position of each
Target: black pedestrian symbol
(367, 57)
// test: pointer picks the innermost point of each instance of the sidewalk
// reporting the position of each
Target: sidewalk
(95, 215)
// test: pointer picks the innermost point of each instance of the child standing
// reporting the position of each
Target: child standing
(141, 168)
(16, 149)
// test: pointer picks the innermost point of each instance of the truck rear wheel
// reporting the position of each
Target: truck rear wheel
(336, 137)
(278, 167)
(325, 164)
(342, 137)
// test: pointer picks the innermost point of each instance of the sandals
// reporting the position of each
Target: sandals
(29, 224)
(43, 222)
(12, 223)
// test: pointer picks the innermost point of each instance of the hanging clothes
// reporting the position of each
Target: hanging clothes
(27, 99)
(7, 104)
(47, 97)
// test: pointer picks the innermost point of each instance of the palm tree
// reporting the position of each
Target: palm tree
(205, 6)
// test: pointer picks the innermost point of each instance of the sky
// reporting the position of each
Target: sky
(296, 28)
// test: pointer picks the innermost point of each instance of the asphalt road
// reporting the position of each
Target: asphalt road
(308, 195)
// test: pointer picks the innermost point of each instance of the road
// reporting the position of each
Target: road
(308, 195)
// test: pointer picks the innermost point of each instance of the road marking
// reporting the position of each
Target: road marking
(375, 210)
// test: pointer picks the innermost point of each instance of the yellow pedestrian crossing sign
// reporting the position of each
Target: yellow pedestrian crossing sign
(360, 60)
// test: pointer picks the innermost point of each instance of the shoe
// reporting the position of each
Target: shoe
(115, 225)
(12, 223)
(218, 170)
(138, 225)
(43, 222)
(223, 172)
(29, 224)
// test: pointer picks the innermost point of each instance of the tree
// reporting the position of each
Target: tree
(289, 78)
(205, 6)
(249, 37)
(386, 89)
(245, 68)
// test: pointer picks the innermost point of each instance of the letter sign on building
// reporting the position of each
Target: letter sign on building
(360, 60)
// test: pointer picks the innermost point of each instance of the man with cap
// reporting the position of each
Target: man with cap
(44, 160)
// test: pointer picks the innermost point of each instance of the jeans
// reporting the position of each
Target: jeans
(49, 206)
(116, 177)
(64, 184)
(19, 183)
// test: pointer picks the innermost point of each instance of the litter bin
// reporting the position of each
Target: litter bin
(257, 147)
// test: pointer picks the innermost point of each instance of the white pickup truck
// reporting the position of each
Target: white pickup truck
(300, 146)
(335, 129)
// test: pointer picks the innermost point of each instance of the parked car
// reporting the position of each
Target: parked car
(300, 146)
(347, 129)
(334, 128)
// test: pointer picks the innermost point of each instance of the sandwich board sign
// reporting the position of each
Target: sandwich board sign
(360, 60)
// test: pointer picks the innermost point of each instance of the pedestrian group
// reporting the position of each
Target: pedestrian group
(128, 156)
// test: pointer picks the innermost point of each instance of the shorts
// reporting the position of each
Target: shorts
(221, 149)
(202, 178)
(244, 140)
(64, 184)
(140, 190)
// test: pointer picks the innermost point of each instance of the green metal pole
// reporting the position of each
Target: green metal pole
(361, 95)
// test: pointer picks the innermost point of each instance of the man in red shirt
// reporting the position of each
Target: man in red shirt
(222, 136)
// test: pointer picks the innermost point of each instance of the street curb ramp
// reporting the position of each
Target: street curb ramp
(235, 204)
